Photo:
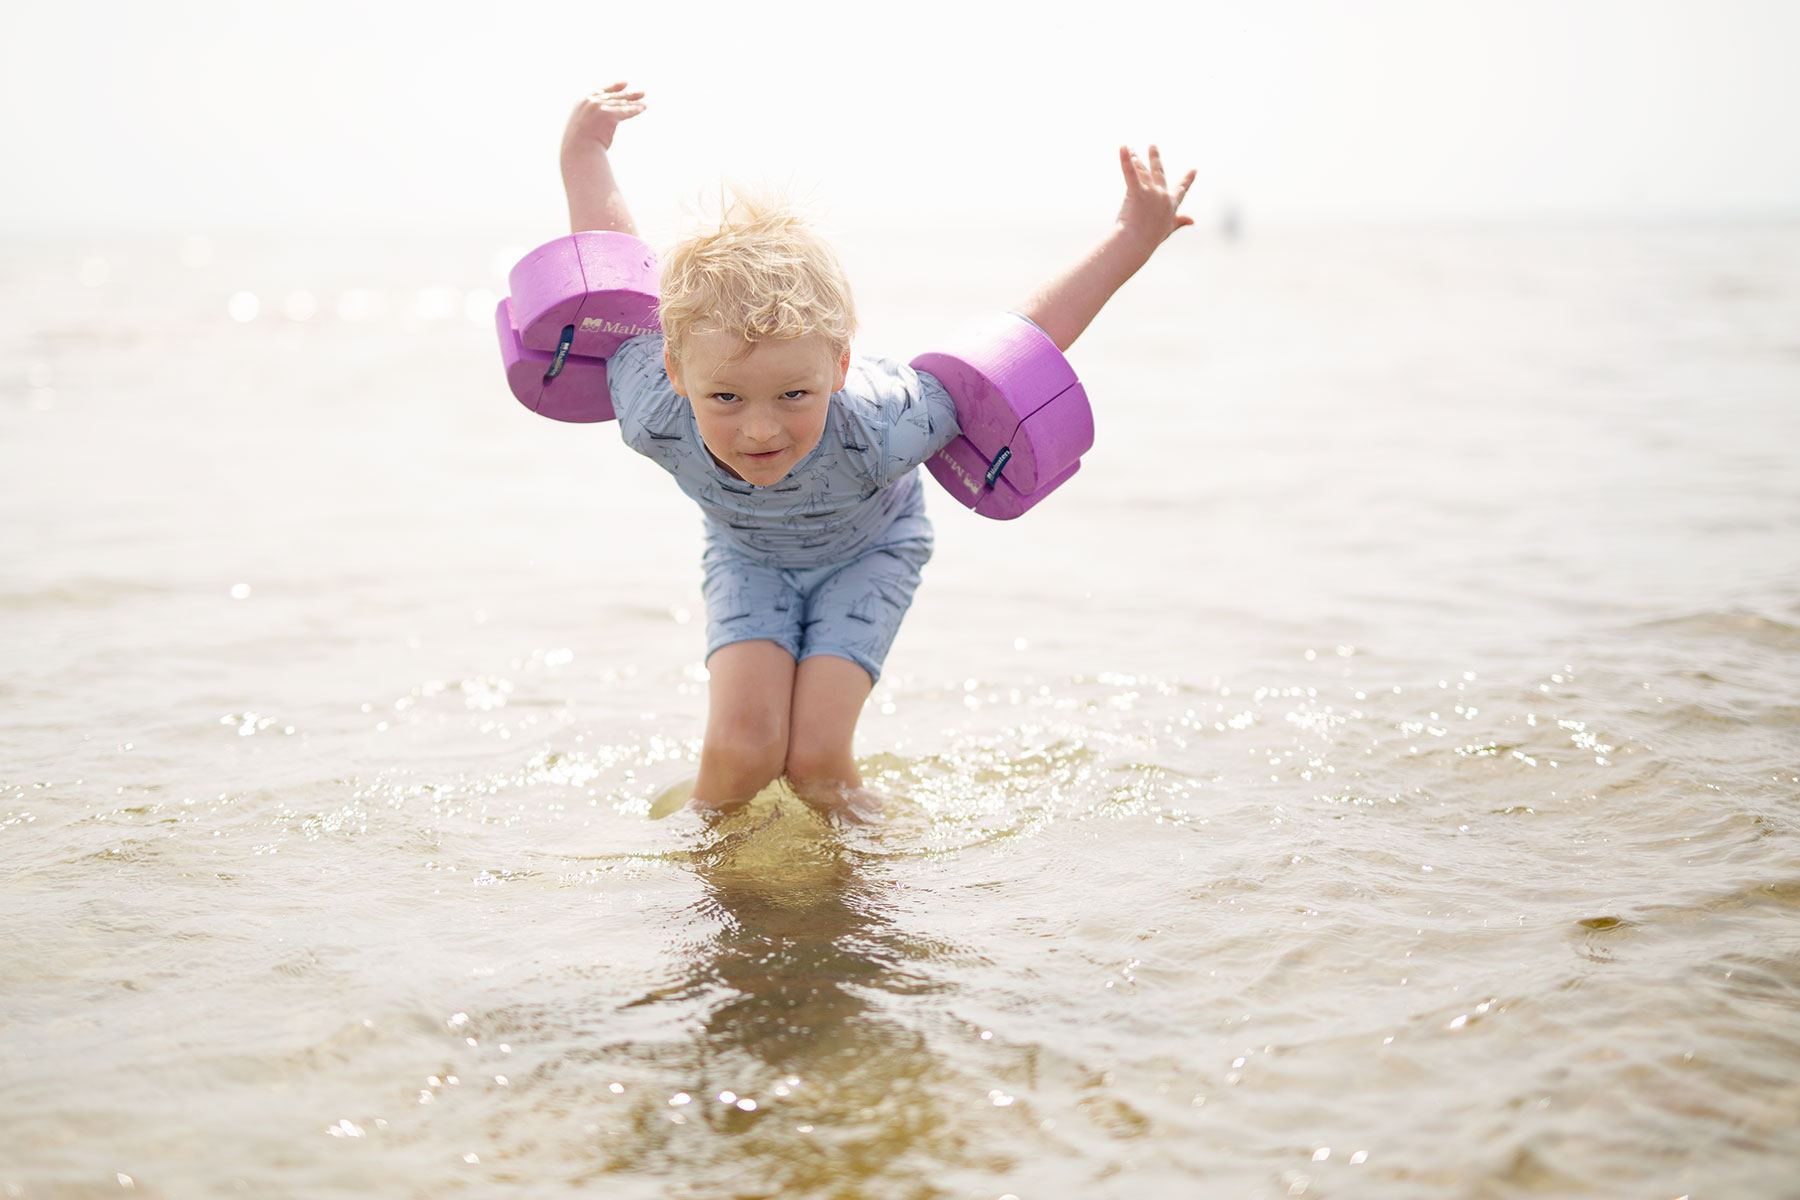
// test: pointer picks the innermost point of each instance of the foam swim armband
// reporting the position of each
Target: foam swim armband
(574, 301)
(1024, 415)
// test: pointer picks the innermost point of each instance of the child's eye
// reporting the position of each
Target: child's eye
(727, 397)
(795, 394)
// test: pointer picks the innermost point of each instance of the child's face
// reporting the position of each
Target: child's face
(761, 408)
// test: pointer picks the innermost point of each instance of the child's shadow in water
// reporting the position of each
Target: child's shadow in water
(805, 936)
(795, 986)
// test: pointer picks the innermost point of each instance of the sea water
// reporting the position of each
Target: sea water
(1374, 775)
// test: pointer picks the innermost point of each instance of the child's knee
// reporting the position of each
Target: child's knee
(752, 746)
(811, 760)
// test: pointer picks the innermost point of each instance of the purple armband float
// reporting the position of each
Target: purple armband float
(1024, 415)
(574, 301)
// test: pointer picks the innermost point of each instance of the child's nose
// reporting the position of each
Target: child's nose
(760, 424)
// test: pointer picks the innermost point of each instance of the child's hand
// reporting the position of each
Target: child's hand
(1063, 307)
(1149, 210)
(595, 201)
(598, 115)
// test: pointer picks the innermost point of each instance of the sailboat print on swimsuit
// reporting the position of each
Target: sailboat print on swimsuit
(887, 420)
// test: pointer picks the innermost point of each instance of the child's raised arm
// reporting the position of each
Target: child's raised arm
(1063, 307)
(595, 201)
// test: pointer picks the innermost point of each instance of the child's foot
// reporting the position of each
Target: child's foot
(672, 799)
(841, 803)
(716, 808)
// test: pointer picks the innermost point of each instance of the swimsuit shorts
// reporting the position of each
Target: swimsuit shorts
(851, 609)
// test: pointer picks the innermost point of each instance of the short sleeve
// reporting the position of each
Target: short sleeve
(933, 424)
(646, 404)
(635, 375)
(906, 415)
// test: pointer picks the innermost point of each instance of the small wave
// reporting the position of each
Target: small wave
(1759, 629)
(85, 592)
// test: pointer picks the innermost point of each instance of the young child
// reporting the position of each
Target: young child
(801, 458)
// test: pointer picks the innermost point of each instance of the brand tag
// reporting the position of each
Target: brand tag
(562, 353)
(999, 464)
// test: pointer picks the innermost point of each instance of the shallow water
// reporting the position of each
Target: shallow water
(1374, 775)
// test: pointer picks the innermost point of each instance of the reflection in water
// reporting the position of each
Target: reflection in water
(799, 1058)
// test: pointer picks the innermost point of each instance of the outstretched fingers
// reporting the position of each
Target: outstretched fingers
(1156, 167)
(614, 98)
(1187, 181)
(1149, 171)
(1137, 171)
(598, 114)
(1151, 201)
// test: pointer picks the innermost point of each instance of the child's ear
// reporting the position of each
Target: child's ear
(843, 370)
(674, 372)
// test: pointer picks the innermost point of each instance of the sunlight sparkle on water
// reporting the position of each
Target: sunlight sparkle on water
(300, 305)
(361, 304)
(1308, 819)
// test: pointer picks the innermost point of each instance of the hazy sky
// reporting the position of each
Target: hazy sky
(208, 114)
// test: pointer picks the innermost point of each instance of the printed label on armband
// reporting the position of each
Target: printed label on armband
(562, 353)
(602, 325)
(956, 469)
(999, 464)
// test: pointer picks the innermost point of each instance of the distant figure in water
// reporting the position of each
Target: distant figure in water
(801, 458)
(1231, 223)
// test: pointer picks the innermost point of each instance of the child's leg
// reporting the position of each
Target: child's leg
(828, 698)
(747, 722)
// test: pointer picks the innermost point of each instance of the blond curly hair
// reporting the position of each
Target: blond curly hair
(762, 274)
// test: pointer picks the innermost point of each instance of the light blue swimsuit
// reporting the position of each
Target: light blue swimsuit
(825, 561)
